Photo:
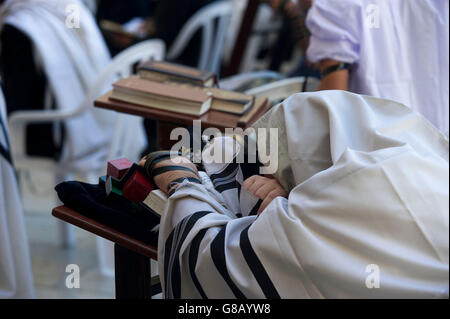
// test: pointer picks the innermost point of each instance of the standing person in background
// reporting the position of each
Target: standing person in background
(293, 32)
(171, 15)
(398, 50)
(295, 12)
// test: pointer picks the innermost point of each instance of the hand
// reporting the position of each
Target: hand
(163, 180)
(264, 188)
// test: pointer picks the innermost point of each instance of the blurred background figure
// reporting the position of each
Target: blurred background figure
(51, 54)
(293, 33)
(16, 279)
(397, 50)
(171, 15)
(124, 23)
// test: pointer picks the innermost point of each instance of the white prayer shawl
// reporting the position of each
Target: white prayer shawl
(71, 59)
(16, 279)
(226, 176)
(368, 207)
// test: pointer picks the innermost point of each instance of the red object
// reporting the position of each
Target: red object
(118, 167)
(137, 187)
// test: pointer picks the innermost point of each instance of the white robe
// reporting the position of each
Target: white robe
(367, 214)
(16, 279)
(398, 49)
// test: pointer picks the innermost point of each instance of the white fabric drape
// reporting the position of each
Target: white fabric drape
(71, 58)
(16, 279)
(369, 191)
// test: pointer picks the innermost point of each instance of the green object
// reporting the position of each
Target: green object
(112, 185)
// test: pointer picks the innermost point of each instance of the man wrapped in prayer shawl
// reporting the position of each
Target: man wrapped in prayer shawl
(366, 216)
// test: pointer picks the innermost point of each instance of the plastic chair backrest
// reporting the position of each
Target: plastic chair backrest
(123, 66)
(282, 89)
(236, 82)
(213, 35)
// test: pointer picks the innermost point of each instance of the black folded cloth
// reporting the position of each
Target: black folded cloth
(113, 210)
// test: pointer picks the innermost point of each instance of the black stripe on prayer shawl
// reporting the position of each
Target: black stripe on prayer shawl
(239, 190)
(193, 256)
(218, 257)
(239, 196)
(255, 208)
(219, 182)
(167, 254)
(227, 171)
(256, 267)
(227, 186)
(5, 154)
(175, 271)
(4, 150)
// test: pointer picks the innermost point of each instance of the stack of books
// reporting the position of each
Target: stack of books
(161, 96)
(181, 89)
(171, 72)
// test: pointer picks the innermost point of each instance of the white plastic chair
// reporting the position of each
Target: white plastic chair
(212, 37)
(279, 90)
(264, 32)
(235, 82)
(121, 65)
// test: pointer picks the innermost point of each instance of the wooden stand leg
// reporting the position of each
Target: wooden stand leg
(66, 234)
(132, 274)
(164, 130)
